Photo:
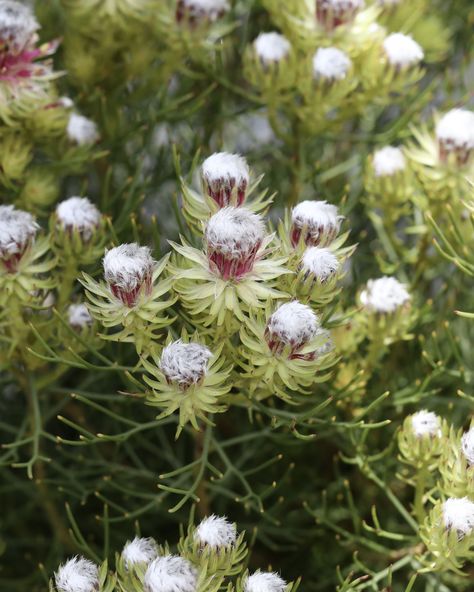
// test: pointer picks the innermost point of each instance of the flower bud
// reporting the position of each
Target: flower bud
(426, 424)
(17, 27)
(81, 130)
(316, 223)
(79, 316)
(170, 573)
(330, 64)
(384, 295)
(78, 214)
(17, 232)
(291, 327)
(198, 11)
(128, 270)
(77, 575)
(233, 237)
(139, 551)
(458, 515)
(388, 161)
(41, 187)
(319, 264)
(225, 177)
(215, 532)
(15, 155)
(271, 48)
(402, 51)
(455, 134)
(261, 581)
(184, 364)
(467, 446)
(333, 13)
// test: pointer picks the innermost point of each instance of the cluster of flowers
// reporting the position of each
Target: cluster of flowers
(210, 557)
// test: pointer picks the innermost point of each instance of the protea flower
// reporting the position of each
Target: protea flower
(170, 573)
(77, 575)
(314, 223)
(78, 214)
(17, 233)
(467, 446)
(215, 532)
(271, 48)
(225, 178)
(79, 316)
(455, 135)
(426, 424)
(402, 51)
(330, 64)
(197, 12)
(388, 161)
(458, 515)
(81, 130)
(384, 295)
(261, 581)
(333, 13)
(139, 551)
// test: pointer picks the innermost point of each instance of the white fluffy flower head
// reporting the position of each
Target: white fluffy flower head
(458, 515)
(170, 573)
(140, 550)
(17, 25)
(467, 445)
(319, 262)
(17, 230)
(185, 363)
(79, 316)
(317, 222)
(222, 172)
(384, 295)
(78, 213)
(234, 231)
(216, 532)
(271, 47)
(456, 129)
(77, 575)
(293, 324)
(261, 581)
(401, 50)
(81, 130)
(211, 9)
(388, 161)
(331, 63)
(127, 266)
(425, 423)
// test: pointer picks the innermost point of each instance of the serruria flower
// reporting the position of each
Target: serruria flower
(78, 214)
(78, 316)
(388, 161)
(188, 377)
(458, 515)
(384, 295)
(467, 446)
(197, 12)
(170, 573)
(139, 551)
(319, 264)
(333, 13)
(262, 581)
(331, 64)
(455, 135)
(271, 48)
(81, 130)
(314, 223)
(215, 532)
(17, 233)
(77, 575)
(225, 178)
(422, 438)
(402, 51)
(291, 327)
(426, 424)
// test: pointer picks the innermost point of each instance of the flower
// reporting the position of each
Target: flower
(425, 423)
(467, 445)
(388, 161)
(384, 295)
(140, 550)
(402, 51)
(333, 13)
(216, 532)
(261, 581)
(128, 270)
(195, 11)
(271, 48)
(233, 238)
(17, 26)
(185, 364)
(330, 63)
(458, 515)
(17, 232)
(79, 316)
(170, 573)
(225, 178)
(316, 223)
(81, 130)
(291, 327)
(78, 213)
(319, 264)
(455, 134)
(77, 575)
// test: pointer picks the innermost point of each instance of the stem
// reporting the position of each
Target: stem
(203, 505)
(419, 493)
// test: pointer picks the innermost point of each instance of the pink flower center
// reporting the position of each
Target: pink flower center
(232, 266)
(331, 17)
(221, 192)
(447, 147)
(289, 349)
(129, 296)
(312, 235)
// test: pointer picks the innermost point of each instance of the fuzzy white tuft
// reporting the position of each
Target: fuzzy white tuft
(320, 262)
(140, 550)
(216, 532)
(331, 63)
(170, 573)
(185, 363)
(17, 25)
(425, 423)
(126, 266)
(319, 218)
(66, 102)
(79, 316)
(388, 161)
(234, 231)
(467, 445)
(271, 47)
(401, 50)
(17, 230)
(78, 213)
(77, 575)
(456, 127)
(211, 8)
(226, 168)
(384, 294)
(458, 515)
(81, 130)
(341, 6)
(261, 581)
(294, 323)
